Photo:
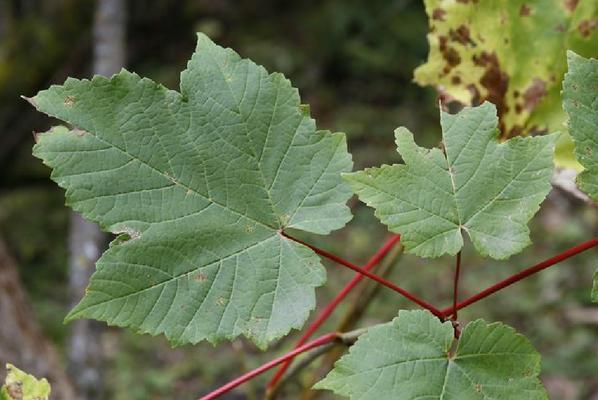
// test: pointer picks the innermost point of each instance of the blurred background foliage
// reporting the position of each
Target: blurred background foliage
(353, 62)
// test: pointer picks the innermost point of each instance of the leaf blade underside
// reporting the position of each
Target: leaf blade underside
(411, 358)
(488, 189)
(199, 184)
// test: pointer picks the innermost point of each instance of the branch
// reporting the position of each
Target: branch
(330, 307)
(521, 275)
(374, 277)
(346, 338)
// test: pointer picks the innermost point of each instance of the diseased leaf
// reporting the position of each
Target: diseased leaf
(21, 386)
(412, 358)
(580, 101)
(512, 53)
(199, 185)
(488, 189)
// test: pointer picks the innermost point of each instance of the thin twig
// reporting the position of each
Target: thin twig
(374, 277)
(313, 355)
(330, 307)
(348, 337)
(521, 275)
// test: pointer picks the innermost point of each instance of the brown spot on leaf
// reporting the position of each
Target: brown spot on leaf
(478, 388)
(560, 28)
(15, 390)
(476, 98)
(495, 81)
(516, 130)
(455, 80)
(200, 277)
(450, 55)
(461, 35)
(534, 94)
(587, 26)
(571, 5)
(518, 108)
(442, 42)
(438, 14)
(69, 101)
(525, 10)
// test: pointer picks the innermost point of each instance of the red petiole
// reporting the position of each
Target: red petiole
(521, 275)
(372, 276)
(456, 285)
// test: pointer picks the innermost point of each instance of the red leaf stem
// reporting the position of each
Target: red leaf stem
(522, 275)
(372, 276)
(456, 285)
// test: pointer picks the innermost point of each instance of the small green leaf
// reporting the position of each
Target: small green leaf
(512, 53)
(22, 386)
(580, 101)
(412, 358)
(199, 185)
(488, 189)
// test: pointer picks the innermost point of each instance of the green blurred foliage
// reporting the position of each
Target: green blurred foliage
(353, 63)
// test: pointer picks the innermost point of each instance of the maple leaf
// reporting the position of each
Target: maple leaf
(481, 51)
(489, 190)
(412, 357)
(199, 184)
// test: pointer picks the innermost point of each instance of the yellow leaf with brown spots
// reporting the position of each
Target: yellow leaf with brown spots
(511, 53)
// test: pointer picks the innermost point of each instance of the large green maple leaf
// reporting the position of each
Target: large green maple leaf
(580, 101)
(20, 385)
(488, 189)
(512, 53)
(412, 358)
(200, 185)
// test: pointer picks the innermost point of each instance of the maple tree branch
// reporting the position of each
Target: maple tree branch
(330, 307)
(346, 338)
(372, 276)
(522, 275)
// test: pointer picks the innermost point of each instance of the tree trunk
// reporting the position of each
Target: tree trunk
(86, 241)
(22, 342)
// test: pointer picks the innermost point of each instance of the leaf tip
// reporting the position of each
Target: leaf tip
(30, 100)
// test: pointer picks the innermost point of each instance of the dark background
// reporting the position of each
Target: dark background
(353, 63)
